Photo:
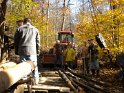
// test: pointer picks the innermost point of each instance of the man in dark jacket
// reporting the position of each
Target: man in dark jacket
(58, 54)
(93, 52)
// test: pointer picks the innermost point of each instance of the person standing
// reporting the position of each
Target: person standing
(18, 24)
(69, 54)
(27, 41)
(93, 52)
(85, 58)
(58, 52)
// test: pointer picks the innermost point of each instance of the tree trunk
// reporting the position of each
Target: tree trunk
(114, 32)
(2, 19)
(47, 26)
(63, 19)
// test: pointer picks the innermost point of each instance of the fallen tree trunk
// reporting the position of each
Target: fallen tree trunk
(10, 76)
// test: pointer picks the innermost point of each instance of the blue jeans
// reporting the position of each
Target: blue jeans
(58, 59)
(34, 59)
(120, 73)
(95, 65)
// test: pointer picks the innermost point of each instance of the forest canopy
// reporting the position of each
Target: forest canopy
(93, 17)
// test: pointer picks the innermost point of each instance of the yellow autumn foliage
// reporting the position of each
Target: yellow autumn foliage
(109, 23)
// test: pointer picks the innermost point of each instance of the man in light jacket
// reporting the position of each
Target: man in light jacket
(27, 43)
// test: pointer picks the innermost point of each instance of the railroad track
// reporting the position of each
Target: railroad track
(66, 81)
(83, 84)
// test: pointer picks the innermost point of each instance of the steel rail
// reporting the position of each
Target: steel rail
(78, 82)
(95, 86)
(87, 87)
(80, 90)
(89, 79)
(69, 83)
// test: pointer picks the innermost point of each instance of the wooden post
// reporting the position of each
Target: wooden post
(3, 7)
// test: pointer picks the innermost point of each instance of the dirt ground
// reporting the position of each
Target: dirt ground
(108, 75)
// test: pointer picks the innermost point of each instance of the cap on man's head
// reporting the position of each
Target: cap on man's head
(27, 20)
(19, 21)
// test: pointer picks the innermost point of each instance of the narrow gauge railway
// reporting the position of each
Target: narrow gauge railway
(56, 81)
(67, 81)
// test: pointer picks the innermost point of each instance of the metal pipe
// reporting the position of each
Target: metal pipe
(10, 76)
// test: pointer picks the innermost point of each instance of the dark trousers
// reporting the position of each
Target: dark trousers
(59, 59)
(69, 64)
(86, 66)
